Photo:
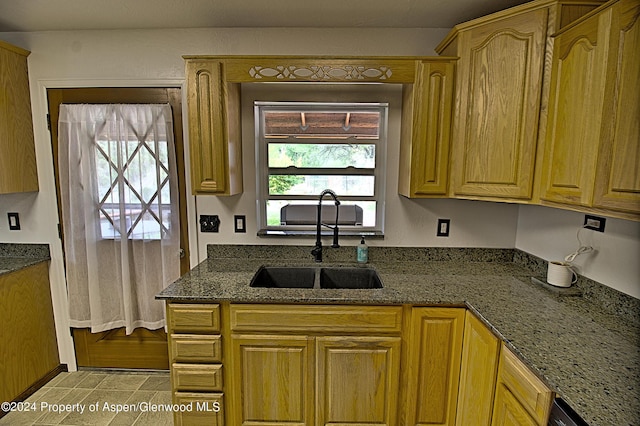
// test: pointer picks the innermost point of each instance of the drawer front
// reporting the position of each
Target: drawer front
(532, 393)
(196, 409)
(194, 318)
(317, 318)
(190, 348)
(194, 377)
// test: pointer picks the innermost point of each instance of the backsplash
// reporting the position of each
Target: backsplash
(24, 250)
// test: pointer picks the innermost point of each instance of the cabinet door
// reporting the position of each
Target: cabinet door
(498, 95)
(480, 350)
(426, 131)
(357, 380)
(273, 380)
(214, 129)
(521, 397)
(575, 114)
(18, 170)
(618, 175)
(508, 411)
(435, 346)
(198, 409)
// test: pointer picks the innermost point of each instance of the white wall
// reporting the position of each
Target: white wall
(551, 234)
(154, 57)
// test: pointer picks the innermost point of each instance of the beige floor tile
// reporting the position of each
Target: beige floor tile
(91, 381)
(123, 381)
(158, 417)
(55, 404)
(101, 405)
(157, 382)
(136, 404)
(68, 380)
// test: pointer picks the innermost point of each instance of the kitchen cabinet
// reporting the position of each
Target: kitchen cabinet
(500, 98)
(478, 371)
(426, 130)
(521, 398)
(195, 355)
(432, 373)
(215, 140)
(18, 169)
(297, 364)
(29, 349)
(593, 154)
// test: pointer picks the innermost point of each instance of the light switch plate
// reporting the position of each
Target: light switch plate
(240, 223)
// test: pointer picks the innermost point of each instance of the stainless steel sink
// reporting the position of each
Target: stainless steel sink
(316, 277)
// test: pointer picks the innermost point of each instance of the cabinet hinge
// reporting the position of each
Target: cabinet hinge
(49, 122)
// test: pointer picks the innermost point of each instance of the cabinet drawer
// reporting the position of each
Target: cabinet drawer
(194, 377)
(198, 409)
(190, 348)
(532, 394)
(189, 318)
(316, 318)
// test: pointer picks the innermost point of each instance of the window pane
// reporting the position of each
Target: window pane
(314, 185)
(275, 215)
(322, 155)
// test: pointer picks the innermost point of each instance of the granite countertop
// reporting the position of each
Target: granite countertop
(589, 356)
(14, 257)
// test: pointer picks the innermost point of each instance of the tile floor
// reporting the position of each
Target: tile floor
(104, 396)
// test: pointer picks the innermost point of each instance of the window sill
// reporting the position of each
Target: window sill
(268, 233)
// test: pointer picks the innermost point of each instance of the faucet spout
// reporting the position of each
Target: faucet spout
(317, 249)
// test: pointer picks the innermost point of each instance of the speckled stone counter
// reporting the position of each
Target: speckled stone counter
(14, 257)
(588, 355)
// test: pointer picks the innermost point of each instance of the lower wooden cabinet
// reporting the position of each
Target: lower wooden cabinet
(273, 379)
(478, 370)
(357, 379)
(521, 397)
(433, 368)
(269, 364)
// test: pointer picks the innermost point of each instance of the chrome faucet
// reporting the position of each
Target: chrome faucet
(317, 250)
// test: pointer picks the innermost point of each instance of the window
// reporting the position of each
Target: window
(304, 148)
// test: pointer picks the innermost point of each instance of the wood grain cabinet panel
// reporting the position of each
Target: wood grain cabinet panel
(18, 169)
(195, 348)
(480, 351)
(357, 380)
(29, 350)
(215, 140)
(426, 130)
(194, 318)
(273, 380)
(521, 397)
(198, 409)
(195, 377)
(593, 135)
(498, 93)
(435, 345)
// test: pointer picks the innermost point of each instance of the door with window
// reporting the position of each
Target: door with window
(131, 208)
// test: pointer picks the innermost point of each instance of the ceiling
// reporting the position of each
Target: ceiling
(55, 15)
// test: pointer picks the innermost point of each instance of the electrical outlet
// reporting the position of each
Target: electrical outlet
(443, 227)
(240, 223)
(209, 223)
(14, 221)
(594, 222)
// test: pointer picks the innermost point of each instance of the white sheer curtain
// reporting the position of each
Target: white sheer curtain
(119, 196)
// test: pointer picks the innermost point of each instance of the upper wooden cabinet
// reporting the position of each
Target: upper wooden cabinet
(18, 170)
(426, 130)
(500, 97)
(593, 137)
(215, 140)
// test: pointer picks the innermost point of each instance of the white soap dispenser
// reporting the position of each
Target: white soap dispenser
(362, 252)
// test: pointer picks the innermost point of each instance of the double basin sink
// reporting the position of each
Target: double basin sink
(316, 277)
